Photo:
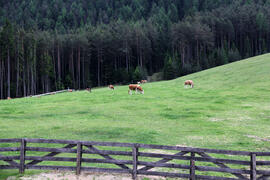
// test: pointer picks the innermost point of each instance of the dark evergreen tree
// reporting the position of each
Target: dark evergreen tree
(50, 45)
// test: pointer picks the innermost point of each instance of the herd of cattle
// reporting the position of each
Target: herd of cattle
(132, 87)
(137, 88)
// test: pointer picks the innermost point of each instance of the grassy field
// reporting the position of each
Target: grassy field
(229, 108)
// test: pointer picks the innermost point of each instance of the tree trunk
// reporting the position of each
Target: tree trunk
(183, 55)
(126, 56)
(83, 70)
(58, 63)
(18, 77)
(35, 70)
(28, 78)
(8, 75)
(98, 66)
(24, 85)
(79, 68)
(43, 84)
(71, 68)
(141, 57)
(54, 69)
(198, 57)
(32, 81)
(18, 72)
(1, 80)
(115, 63)
(138, 52)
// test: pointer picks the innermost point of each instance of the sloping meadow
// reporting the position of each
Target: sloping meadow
(228, 108)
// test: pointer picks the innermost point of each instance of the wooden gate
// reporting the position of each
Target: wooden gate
(134, 159)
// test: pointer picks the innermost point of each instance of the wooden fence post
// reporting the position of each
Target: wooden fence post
(253, 173)
(192, 167)
(22, 156)
(135, 160)
(79, 158)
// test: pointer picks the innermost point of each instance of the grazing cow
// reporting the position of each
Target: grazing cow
(69, 90)
(88, 89)
(143, 81)
(111, 87)
(135, 87)
(189, 83)
(138, 82)
(8, 98)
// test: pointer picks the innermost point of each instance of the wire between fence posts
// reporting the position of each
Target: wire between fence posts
(253, 172)
(192, 167)
(135, 161)
(79, 158)
(22, 156)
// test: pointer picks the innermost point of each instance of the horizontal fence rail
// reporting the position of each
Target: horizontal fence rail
(139, 159)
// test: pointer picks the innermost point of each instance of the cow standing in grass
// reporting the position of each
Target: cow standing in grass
(111, 87)
(135, 87)
(143, 81)
(189, 83)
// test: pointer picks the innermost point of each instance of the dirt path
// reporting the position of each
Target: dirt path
(56, 175)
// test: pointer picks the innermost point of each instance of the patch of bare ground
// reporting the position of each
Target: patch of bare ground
(258, 138)
(216, 119)
(67, 175)
(237, 118)
(59, 175)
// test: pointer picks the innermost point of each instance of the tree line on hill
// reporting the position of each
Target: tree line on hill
(51, 45)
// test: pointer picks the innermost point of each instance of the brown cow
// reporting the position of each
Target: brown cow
(111, 87)
(143, 81)
(189, 83)
(88, 89)
(135, 87)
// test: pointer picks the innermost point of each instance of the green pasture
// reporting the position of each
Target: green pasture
(228, 108)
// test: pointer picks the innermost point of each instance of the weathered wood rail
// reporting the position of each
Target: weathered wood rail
(140, 159)
(52, 93)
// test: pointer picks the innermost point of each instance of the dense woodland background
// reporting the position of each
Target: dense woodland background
(55, 44)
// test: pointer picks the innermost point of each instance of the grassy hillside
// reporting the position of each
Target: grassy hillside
(227, 109)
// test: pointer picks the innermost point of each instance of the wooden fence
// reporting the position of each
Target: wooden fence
(51, 93)
(139, 159)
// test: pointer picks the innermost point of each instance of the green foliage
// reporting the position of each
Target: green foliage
(233, 55)
(108, 74)
(169, 71)
(186, 68)
(121, 75)
(222, 57)
(7, 38)
(139, 74)
(156, 77)
(68, 81)
(262, 22)
(74, 14)
(102, 42)
(60, 85)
